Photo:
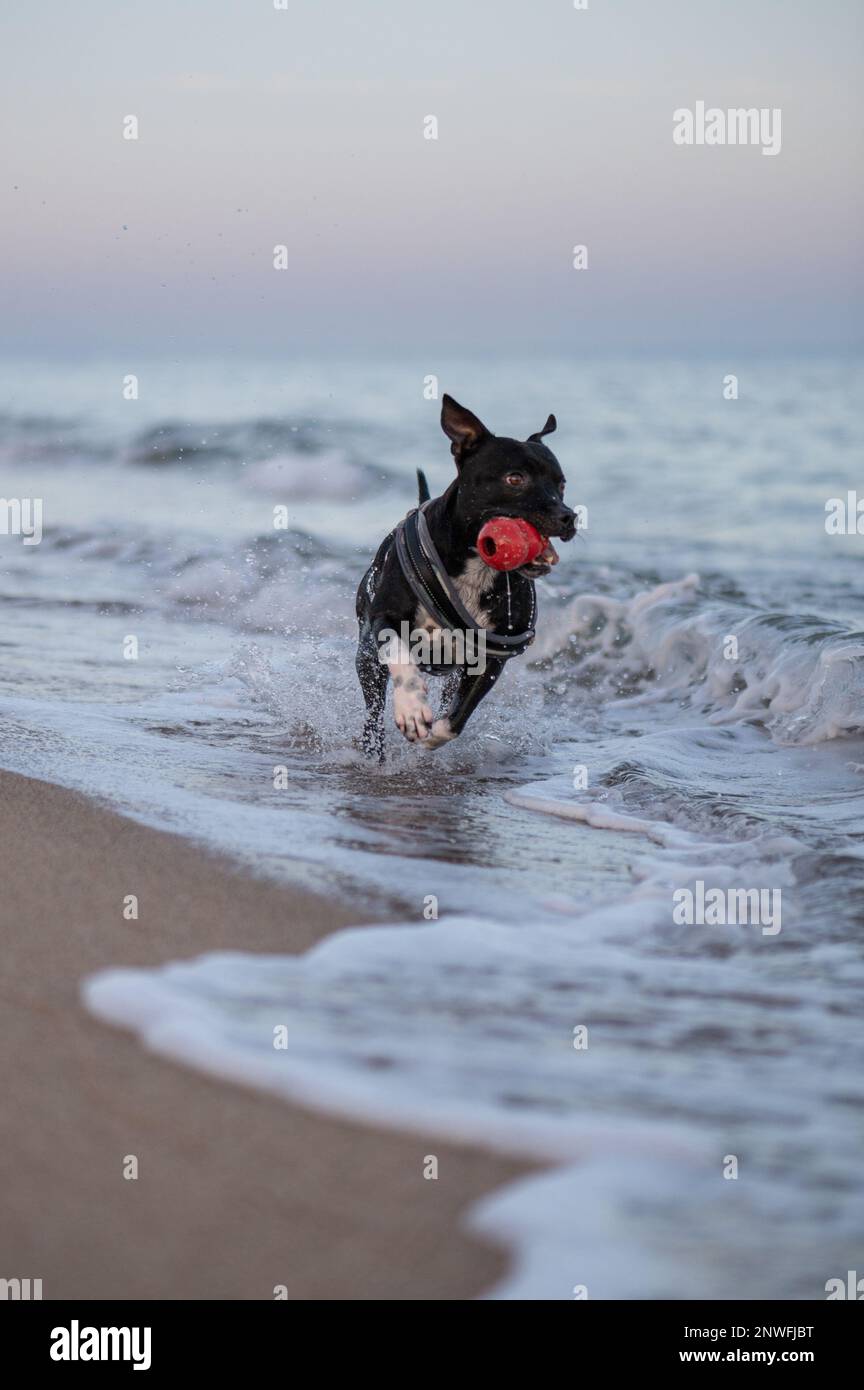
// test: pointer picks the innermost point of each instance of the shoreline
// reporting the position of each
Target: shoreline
(237, 1192)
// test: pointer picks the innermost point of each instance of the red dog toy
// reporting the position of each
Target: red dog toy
(508, 542)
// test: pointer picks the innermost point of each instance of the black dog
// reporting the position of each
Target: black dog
(429, 578)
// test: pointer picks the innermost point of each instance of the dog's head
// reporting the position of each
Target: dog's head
(508, 477)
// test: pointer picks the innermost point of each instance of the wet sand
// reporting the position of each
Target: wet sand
(237, 1193)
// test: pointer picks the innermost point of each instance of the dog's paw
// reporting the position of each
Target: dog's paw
(371, 746)
(440, 733)
(410, 710)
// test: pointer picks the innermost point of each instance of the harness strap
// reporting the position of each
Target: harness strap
(434, 589)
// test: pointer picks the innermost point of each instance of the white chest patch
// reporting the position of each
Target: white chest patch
(474, 587)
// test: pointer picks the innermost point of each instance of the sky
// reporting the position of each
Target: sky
(304, 127)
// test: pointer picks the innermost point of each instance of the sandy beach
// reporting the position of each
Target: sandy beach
(236, 1193)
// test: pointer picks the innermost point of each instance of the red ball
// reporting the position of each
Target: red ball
(508, 542)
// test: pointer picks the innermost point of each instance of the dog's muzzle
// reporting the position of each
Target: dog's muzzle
(563, 526)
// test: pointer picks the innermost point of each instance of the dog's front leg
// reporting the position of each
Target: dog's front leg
(472, 689)
(410, 694)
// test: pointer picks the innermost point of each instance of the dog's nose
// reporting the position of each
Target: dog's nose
(567, 522)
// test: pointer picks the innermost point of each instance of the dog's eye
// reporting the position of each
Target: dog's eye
(515, 479)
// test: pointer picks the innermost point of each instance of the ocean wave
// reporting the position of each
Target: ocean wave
(312, 459)
(280, 583)
(477, 1043)
(800, 677)
(305, 448)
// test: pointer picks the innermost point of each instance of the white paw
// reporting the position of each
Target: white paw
(441, 733)
(410, 710)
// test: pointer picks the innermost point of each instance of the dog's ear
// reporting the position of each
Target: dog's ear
(462, 428)
(549, 428)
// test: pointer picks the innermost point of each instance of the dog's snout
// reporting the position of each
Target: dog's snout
(567, 522)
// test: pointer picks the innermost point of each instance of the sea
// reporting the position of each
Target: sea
(616, 928)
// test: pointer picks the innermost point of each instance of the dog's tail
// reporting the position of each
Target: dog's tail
(422, 487)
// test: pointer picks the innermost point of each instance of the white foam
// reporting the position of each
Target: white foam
(463, 1029)
(803, 678)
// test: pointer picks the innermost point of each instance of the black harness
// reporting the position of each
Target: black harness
(434, 589)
